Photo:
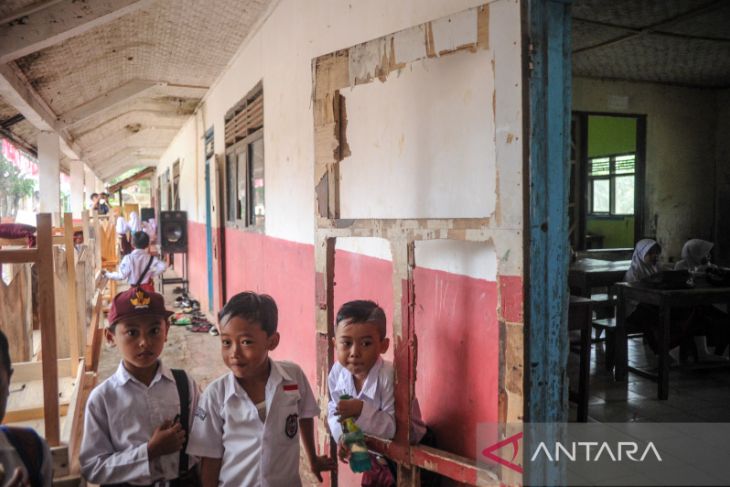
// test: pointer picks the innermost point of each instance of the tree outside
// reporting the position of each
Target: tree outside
(14, 188)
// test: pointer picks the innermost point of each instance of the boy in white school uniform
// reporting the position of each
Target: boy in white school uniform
(140, 267)
(247, 427)
(136, 420)
(361, 373)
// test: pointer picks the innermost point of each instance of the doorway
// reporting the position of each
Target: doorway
(607, 180)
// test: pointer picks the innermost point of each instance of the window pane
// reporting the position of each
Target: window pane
(232, 185)
(600, 166)
(625, 164)
(258, 211)
(624, 202)
(601, 195)
(241, 185)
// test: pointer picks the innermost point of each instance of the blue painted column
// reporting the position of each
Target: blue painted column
(548, 104)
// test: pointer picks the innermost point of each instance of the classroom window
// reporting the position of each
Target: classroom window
(611, 184)
(245, 181)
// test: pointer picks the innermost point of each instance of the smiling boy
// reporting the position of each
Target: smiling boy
(131, 431)
(361, 373)
(247, 426)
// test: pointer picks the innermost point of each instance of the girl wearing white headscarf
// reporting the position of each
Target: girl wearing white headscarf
(134, 224)
(709, 323)
(645, 260)
(695, 254)
(645, 317)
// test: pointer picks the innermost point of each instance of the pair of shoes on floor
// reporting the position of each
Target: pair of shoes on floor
(200, 327)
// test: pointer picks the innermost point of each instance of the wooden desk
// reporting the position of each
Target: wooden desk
(580, 316)
(585, 274)
(665, 299)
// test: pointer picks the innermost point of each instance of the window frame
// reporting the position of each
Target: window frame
(244, 126)
(611, 177)
(245, 218)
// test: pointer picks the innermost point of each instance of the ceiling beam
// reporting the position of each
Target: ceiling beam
(145, 173)
(9, 122)
(115, 171)
(60, 21)
(148, 118)
(16, 91)
(125, 153)
(125, 137)
(123, 94)
(650, 29)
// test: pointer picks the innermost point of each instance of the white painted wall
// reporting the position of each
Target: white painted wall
(419, 142)
(281, 51)
(680, 153)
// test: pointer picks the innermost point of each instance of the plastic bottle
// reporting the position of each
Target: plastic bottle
(355, 441)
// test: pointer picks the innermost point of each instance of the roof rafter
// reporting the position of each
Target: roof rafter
(17, 92)
(122, 94)
(60, 21)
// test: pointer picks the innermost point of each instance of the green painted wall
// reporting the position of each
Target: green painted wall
(607, 136)
(617, 232)
(611, 135)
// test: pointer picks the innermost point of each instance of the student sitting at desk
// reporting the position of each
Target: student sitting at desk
(708, 323)
(645, 317)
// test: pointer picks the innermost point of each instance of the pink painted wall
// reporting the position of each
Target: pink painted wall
(456, 322)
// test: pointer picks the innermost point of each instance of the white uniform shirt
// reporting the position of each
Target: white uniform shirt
(122, 226)
(378, 396)
(133, 264)
(227, 426)
(121, 415)
(10, 460)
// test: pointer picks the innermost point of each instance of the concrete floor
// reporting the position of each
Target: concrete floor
(696, 394)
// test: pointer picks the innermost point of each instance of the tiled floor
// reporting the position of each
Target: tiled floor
(695, 394)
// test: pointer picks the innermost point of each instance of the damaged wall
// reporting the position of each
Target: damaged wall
(465, 180)
(680, 153)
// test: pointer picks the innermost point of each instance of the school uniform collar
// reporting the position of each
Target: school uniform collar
(277, 375)
(345, 381)
(122, 375)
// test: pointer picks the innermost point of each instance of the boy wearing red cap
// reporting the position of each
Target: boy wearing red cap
(136, 420)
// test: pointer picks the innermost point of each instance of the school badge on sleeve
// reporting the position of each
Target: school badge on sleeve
(292, 425)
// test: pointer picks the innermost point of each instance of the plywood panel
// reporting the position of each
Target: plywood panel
(15, 312)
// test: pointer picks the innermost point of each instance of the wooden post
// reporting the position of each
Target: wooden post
(71, 311)
(47, 306)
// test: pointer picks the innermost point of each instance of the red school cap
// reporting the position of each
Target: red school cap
(135, 301)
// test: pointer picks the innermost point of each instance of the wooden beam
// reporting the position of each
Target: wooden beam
(25, 11)
(9, 122)
(59, 22)
(18, 256)
(71, 311)
(47, 306)
(143, 174)
(30, 371)
(123, 94)
(16, 91)
(31, 414)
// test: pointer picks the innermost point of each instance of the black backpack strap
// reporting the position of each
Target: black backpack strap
(144, 272)
(30, 449)
(183, 390)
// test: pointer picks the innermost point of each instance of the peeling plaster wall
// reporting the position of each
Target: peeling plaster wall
(474, 286)
(680, 153)
(419, 144)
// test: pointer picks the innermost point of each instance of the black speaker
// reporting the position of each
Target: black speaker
(146, 213)
(173, 232)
